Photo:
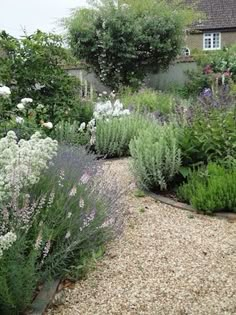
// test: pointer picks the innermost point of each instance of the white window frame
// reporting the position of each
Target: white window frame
(210, 36)
(184, 52)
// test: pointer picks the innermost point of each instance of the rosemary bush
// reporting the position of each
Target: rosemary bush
(210, 189)
(113, 136)
(156, 156)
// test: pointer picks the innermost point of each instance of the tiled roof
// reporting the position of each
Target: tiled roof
(220, 13)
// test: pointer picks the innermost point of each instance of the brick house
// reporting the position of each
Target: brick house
(216, 29)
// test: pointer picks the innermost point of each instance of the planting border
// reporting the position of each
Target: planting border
(183, 206)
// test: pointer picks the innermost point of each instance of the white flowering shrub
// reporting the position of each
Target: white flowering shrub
(108, 109)
(37, 61)
(104, 111)
(5, 91)
(5, 102)
(24, 118)
(6, 241)
(21, 163)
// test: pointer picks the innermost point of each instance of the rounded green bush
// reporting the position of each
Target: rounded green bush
(210, 189)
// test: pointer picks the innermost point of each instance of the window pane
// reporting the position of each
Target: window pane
(211, 40)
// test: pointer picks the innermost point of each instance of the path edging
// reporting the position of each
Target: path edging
(44, 298)
(183, 206)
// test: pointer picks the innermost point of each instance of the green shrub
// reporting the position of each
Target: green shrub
(210, 136)
(196, 82)
(219, 61)
(147, 100)
(68, 133)
(82, 111)
(156, 156)
(210, 189)
(38, 73)
(113, 136)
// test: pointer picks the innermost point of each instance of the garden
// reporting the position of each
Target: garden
(78, 174)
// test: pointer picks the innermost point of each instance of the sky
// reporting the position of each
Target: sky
(16, 15)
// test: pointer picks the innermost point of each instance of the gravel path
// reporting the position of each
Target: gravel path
(168, 261)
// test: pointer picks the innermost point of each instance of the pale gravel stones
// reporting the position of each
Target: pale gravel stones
(167, 262)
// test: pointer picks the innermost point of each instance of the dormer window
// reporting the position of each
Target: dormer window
(211, 41)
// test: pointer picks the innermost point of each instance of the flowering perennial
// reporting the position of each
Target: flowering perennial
(26, 100)
(107, 109)
(6, 241)
(21, 163)
(103, 110)
(5, 91)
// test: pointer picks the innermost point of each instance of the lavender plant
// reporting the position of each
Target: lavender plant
(80, 212)
(65, 217)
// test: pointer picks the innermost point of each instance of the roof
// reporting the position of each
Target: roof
(221, 14)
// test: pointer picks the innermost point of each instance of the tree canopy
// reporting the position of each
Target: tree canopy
(123, 39)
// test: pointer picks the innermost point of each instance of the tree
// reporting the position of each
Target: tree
(124, 39)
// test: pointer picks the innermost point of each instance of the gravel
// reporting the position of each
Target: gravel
(168, 261)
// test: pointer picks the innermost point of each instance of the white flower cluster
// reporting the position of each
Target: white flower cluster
(5, 91)
(21, 163)
(48, 125)
(107, 109)
(6, 241)
(103, 110)
(23, 103)
(19, 120)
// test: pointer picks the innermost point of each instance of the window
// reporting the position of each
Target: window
(211, 41)
(185, 51)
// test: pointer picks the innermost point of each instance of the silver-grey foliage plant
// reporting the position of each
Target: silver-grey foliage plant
(156, 156)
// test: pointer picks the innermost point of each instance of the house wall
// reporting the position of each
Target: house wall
(195, 41)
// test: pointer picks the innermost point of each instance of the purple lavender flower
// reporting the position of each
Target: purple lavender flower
(206, 92)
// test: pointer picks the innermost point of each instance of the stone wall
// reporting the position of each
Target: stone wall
(175, 75)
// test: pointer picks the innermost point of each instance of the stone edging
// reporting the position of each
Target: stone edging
(44, 298)
(183, 206)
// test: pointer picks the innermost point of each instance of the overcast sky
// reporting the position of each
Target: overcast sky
(16, 15)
